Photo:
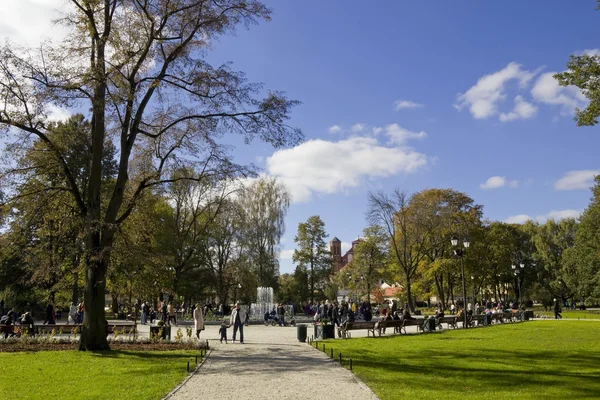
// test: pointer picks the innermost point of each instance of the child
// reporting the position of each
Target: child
(223, 331)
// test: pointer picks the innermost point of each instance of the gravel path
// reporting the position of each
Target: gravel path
(271, 364)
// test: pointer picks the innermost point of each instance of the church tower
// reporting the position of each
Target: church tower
(335, 248)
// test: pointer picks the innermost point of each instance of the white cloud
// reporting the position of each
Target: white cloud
(326, 167)
(574, 180)
(357, 128)
(561, 214)
(518, 219)
(402, 104)
(56, 113)
(29, 22)
(522, 110)
(547, 90)
(398, 135)
(493, 182)
(591, 52)
(286, 254)
(335, 129)
(496, 182)
(483, 98)
(556, 215)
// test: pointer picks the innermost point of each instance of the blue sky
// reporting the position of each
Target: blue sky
(415, 95)
(349, 63)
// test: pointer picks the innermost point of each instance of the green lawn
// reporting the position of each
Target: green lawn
(530, 360)
(576, 314)
(87, 375)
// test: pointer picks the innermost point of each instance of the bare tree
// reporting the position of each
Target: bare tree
(139, 67)
(407, 237)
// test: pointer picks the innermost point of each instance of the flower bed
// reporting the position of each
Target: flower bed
(15, 344)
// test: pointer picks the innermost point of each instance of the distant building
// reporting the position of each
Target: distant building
(338, 260)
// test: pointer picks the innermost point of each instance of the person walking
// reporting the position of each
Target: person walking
(163, 311)
(72, 314)
(49, 315)
(198, 320)
(281, 314)
(238, 316)
(145, 312)
(171, 313)
(557, 310)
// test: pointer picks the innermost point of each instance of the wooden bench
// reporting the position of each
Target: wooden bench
(7, 330)
(380, 326)
(479, 318)
(451, 320)
(347, 326)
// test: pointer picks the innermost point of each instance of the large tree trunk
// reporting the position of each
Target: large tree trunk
(93, 333)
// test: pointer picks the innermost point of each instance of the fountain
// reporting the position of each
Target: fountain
(264, 302)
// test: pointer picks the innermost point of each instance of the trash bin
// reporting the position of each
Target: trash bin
(58, 314)
(528, 315)
(301, 332)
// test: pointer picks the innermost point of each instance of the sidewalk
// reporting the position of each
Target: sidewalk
(271, 364)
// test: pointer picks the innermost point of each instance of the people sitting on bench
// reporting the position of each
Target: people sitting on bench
(7, 320)
(406, 314)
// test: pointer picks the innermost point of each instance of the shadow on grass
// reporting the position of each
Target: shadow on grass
(160, 355)
(482, 370)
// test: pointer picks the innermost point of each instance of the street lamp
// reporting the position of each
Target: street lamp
(460, 253)
(518, 266)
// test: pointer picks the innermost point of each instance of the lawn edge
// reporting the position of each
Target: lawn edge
(188, 377)
(351, 374)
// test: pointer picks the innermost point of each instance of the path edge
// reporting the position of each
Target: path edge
(360, 383)
(187, 378)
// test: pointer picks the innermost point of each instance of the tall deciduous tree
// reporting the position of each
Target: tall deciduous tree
(369, 259)
(582, 262)
(138, 67)
(312, 252)
(264, 205)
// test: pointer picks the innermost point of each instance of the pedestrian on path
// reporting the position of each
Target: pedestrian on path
(557, 310)
(223, 331)
(198, 320)
(238, 316)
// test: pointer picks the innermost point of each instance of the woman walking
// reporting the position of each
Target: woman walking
(198, 320)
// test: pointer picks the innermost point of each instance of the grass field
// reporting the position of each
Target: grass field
(572, 314)
(87, 375)
(531, 360)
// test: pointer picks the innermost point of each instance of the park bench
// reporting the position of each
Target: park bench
(389, 323)
(480, 319)
(346, 327)
(448, 319)
(400, 325)
(6, 330)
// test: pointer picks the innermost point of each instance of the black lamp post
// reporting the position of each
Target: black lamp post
(460, 253)
(518, 266)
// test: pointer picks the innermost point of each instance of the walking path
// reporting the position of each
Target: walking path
(271, 364)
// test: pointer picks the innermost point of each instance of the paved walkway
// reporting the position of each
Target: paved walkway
(271, 364)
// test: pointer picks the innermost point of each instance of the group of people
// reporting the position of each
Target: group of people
(168, 312)
(24, 320)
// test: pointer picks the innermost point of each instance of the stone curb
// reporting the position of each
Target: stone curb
(348, 372)
(187, 378)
